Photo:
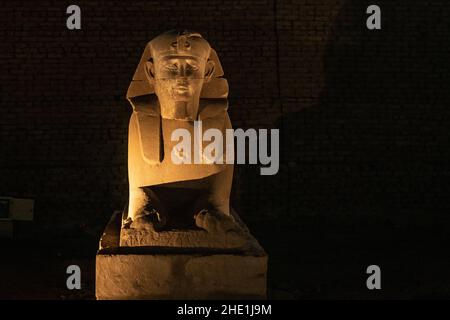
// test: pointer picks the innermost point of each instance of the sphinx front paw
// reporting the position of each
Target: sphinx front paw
(223, 228)
(215, 222)
(150, 219)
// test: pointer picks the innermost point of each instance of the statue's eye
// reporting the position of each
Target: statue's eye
(172, 67)
(193, 67)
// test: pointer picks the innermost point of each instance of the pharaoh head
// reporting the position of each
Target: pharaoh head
(178, 68)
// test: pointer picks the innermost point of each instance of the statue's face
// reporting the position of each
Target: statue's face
(178, 82)
(179, 78)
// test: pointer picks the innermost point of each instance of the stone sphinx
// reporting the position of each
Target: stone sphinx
(178, 81)
(178, 236)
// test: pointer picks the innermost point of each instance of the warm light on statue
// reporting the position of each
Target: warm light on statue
(176, 67)
(182, 205)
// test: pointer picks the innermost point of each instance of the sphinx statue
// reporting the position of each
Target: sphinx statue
(178, 81)
(178, 237)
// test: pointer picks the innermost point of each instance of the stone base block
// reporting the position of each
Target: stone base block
(239, 239)
(177, 273)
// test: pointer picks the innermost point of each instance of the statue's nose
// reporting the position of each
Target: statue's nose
(182, 80)
(182, 71)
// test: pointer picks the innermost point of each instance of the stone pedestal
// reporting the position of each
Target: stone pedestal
(164, 272)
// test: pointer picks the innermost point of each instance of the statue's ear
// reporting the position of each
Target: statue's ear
(209, 70)
(150, 70)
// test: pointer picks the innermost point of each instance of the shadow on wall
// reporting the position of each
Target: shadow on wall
(377, 140)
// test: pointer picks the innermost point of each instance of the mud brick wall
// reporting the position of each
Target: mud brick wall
(363, 114)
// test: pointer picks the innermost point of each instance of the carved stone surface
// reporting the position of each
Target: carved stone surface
(178, 236)
(178, 81)
(236, 237)
(177, 273)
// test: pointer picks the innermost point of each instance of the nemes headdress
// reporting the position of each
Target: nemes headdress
(176, 44)
(184, 44)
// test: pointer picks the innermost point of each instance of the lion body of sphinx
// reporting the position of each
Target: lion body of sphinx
(156, 180)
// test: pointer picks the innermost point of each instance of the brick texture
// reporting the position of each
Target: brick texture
(363, 114)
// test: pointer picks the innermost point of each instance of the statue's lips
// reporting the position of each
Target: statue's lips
(181, 88)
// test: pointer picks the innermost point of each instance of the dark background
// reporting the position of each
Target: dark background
(364, 115)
